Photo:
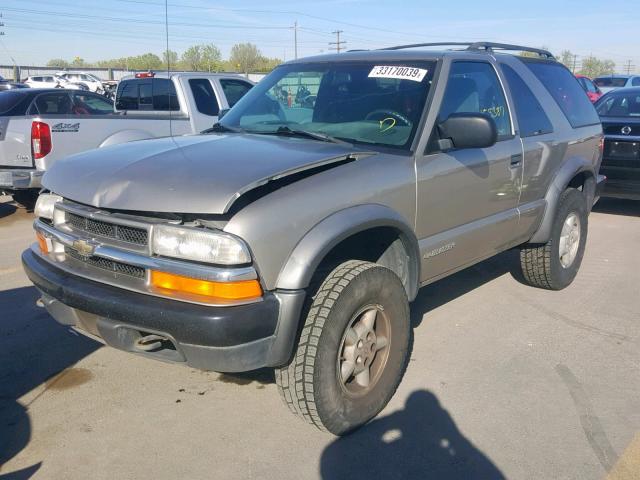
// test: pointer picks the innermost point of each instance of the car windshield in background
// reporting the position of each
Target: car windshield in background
(620, 105)
(610, 82)
(376, 104)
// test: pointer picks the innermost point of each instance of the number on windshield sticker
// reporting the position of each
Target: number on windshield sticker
(399, 72)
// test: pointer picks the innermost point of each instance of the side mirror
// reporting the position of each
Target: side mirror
(467, 130)
(222, 113)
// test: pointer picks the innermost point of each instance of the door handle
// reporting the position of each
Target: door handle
(516, 160)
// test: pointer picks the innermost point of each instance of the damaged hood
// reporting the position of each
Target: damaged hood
(190, 174)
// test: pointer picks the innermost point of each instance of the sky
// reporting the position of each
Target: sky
(38, 30)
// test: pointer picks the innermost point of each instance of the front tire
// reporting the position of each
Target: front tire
(554, 265)
(352, 351)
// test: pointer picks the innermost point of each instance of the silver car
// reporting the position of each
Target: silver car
(295, 233)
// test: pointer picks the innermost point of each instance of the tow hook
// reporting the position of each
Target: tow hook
(149, 343)
(40, 303)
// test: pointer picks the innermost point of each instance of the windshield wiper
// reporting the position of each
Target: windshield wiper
(219, 128)
(290, 132)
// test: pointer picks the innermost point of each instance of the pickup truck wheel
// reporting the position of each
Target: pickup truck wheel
(353, 349)
(26, 198)
(555, 264)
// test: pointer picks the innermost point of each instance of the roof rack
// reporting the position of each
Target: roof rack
(478, 46)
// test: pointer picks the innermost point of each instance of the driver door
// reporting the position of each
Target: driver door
(467, 199)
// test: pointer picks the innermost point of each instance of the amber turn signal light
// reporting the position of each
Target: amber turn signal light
(42, 243)
(204, 290)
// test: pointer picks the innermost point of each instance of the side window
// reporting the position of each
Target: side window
(127, 95)
(565, 90)
(635, 82)
(91, 104)
(591, 88)
(204, 96)
(473, 87)
(234, 90)
(164, 95)
(532, 119)
(54, 104)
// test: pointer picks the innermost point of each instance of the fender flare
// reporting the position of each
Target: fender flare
(124, 136)
(571, 168)
(329, 232)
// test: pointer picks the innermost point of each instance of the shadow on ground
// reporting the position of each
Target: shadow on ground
(419, 441)
(33, 349)
(617, 206)
(6, 207)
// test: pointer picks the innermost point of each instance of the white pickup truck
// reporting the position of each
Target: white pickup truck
(38, 127)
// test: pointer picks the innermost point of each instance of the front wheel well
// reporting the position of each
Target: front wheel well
(385, 246)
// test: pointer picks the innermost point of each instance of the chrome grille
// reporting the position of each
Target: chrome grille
(106, 264)
(137, 236)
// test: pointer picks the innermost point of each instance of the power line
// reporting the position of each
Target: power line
(338, 44)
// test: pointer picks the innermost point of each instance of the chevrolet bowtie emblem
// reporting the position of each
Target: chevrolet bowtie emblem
(83, 247)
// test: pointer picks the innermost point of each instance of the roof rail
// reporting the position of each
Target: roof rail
(478, 46)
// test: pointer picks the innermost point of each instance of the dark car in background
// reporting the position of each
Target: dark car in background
(619, 111)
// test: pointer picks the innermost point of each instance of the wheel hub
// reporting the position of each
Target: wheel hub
(363, 353)
(569, 240)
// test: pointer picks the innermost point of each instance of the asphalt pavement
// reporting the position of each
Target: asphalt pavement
(505, 381)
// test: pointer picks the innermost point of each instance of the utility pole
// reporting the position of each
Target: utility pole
(295, 40)
(338, 44)
(628, 67)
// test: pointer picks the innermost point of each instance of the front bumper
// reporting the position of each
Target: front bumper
(225, 339)
(18, 179)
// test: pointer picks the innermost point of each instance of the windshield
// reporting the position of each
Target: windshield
(620, 105)
(610, 82)
(357, 102)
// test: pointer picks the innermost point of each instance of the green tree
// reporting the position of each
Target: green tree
(57, 62)
(568, 59)
(170, 59)
(245, 57)
(594, 67)
(211, 58)
(268, 64)
(192, 58)
(78, 62)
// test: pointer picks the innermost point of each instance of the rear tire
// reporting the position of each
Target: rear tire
(26, 198)
(357, 321)
(554, 265)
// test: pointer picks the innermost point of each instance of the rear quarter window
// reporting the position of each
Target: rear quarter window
(532, 119)
(234, 90)
(566, 91)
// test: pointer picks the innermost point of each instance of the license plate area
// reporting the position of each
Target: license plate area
(622, 150)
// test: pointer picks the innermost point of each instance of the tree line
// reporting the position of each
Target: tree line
(244, 58)
(589, 66)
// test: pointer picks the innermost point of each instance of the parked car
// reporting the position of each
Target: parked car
(606, 83)
(294, 233)
(593, 92)
(147, 106)
(92, 82)
(620, 114)
(9, 85)
(53, 81)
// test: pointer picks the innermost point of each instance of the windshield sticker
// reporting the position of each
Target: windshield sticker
(398, 72)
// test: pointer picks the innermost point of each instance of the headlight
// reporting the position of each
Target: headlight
(45, 204)
(199, 245)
